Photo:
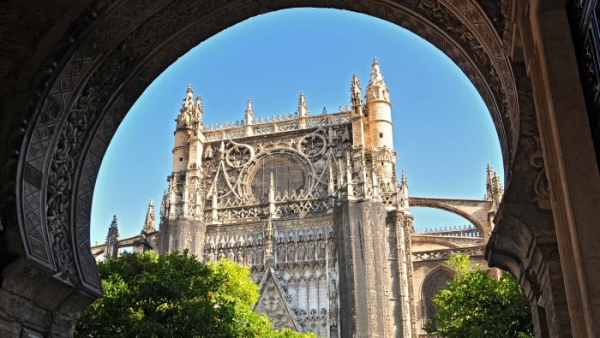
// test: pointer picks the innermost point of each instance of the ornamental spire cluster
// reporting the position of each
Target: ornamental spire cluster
(494, 190)
(190, 113)
(377, 89)
(302, 107)
(149, 224)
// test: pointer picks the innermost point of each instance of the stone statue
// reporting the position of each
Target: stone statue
(321, 251)
(259, 256)
(209, 153)
(301, 253)
(281, 254)
(345, 135)
(331, 249)
(249, 258)
(332, 288)
(311, 251)
(333, 309)
(291, 252)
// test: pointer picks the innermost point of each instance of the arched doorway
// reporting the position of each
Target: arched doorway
(95, 69)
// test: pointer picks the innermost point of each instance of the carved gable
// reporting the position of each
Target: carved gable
(273, 303)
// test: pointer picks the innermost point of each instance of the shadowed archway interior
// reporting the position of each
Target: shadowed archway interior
(75, 86)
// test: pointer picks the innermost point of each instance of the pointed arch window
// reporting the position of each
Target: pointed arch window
(434, 282)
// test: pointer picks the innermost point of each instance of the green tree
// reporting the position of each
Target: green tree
(475, 304)
(150, 295)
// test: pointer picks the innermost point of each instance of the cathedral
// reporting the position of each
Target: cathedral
(313, 206)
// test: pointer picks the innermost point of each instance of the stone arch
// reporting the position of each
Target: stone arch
(70, 71)
(478, 212)
(432, 283)
(111, 63)
(91, 75)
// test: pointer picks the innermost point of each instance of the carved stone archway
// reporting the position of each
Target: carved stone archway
(75, 68)
(129, 45)
(434, 281)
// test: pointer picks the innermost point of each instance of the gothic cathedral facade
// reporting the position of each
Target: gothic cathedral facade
(313, 206)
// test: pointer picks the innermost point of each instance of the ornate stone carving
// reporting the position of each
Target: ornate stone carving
(108, 66)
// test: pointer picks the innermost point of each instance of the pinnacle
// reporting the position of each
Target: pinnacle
(377, 89)
(302, 100)
(249, 108)
(113, 224)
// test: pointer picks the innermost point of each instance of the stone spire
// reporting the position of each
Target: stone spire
(149, 225)
(249, 113)
(377, 89)
(188, 102)
(302, 107)
(494, 190)
(112, 240)
(403, 180)
(355, 92)
(490, 174)
(403, 193)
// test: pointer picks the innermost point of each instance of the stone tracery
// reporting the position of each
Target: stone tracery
(94, 42)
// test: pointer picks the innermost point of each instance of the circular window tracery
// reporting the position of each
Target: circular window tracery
(288, 175)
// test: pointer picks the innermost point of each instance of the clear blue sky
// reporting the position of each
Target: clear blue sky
(443, 132)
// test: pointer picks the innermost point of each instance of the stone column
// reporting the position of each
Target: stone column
(569, 156)
(363, 300)
(400, 225)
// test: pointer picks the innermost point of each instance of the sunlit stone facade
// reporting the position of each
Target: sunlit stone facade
(312, 205)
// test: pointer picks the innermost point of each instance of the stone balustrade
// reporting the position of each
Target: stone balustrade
(443, 254)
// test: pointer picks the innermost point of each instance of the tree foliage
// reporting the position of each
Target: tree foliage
(475, 304)
(150, 295)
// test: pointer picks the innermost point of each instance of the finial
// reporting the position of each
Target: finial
(302, 107)
(149, 223)
(302, 100)
(355, 91)
(490, 173)
(113, 224)
(377, 89)
(403, 180)
(199, 104)
(189, 89)
(249, 108)
(249, 112)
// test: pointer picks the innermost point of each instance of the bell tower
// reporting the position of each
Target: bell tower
(379, 125)
(182, 226)
(379, 109)
(181, 147)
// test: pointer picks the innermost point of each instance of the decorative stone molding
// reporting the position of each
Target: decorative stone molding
(97, 67)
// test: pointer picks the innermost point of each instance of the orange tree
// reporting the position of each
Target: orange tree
(475, 304)
(150, 295)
